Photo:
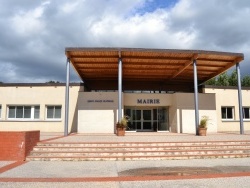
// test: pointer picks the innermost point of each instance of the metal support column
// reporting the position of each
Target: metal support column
(240, 98)
(66, 121)
(196, 97)
(119, 88)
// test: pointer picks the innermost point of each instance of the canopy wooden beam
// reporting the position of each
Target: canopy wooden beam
(167, 66)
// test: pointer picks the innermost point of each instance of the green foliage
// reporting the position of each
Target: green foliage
(212, 81)
(123, 123)
(233, 80)
(52, 82)
(203, 121)
(246, 81)
(223, 80)
(229, 80)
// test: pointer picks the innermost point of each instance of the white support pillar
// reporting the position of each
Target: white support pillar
(66, 121)
(196, 97)
(119, 88)
(240, 98)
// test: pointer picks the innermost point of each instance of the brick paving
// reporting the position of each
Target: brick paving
(107, 173)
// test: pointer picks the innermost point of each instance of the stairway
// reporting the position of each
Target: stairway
(125, 151)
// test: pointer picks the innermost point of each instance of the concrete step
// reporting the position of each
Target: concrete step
(138, 153)
(122, 144)
(137, 158)
(139, 150)
(136, 148)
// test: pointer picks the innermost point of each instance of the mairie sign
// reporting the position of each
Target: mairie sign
(148, 101)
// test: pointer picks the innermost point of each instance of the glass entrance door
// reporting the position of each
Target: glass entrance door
(146, 119)
(142, 119)
(136, 119)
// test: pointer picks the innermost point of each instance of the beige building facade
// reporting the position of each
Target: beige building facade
(42, 107)
(37, 107)
(227, 106)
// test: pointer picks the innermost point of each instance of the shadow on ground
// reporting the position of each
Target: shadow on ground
(183, 171)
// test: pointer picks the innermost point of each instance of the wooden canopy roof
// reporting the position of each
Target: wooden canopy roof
(148, 69)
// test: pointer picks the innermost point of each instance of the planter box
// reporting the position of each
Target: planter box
(202, 131)
(120, 131)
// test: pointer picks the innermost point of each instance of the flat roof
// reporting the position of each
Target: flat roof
(148, 69)
(38, 84)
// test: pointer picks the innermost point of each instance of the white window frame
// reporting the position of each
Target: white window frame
(246, 107)
(32, 112)
(227, 108)
(53, 118)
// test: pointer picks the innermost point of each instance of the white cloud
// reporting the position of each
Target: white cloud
(30, 22)
(151, 30)
(69, 7)
(39, 31)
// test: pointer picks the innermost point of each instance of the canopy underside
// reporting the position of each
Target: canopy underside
(148, 69)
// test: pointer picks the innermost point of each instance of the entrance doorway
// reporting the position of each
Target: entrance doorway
(142, 119)
(147, 119)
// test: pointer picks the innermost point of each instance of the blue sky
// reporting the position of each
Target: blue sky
(152, 5)
(34, 34)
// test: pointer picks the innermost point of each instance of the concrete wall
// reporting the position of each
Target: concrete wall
(38, 95)
(174, 123)
(97, 112)
(229, 97)
(184, 112)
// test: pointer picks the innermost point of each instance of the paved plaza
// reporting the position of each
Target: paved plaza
(162, 173)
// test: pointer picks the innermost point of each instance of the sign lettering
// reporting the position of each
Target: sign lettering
(148, 101)
(100, 101)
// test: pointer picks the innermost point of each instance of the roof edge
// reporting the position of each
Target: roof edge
(224, 87)
(67, 49)
(37, 84)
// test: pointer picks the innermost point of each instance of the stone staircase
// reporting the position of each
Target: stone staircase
(125, 151)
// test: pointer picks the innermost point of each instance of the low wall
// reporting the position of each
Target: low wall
(17, 145)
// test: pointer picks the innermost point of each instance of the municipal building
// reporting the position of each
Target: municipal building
(160, 90)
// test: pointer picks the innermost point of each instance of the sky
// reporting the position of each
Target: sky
(34, 34)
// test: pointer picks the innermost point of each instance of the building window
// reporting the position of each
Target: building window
(54, 112)
(24, 112)
(246, 112)
(37, 112)
(0, 111)
(227, 112)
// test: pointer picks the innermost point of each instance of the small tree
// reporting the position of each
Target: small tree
(223, 80)
(212, 81)
(233, 80)
(246, 81)
(52, 82)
